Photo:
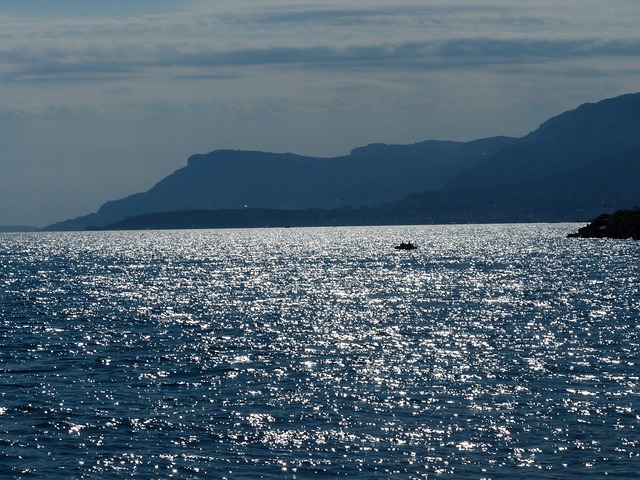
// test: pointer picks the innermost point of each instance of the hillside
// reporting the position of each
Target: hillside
(561, 144)
(229, 179)
(609, 183)
(573, 167)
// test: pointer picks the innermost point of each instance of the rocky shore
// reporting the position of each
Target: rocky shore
(621, 224)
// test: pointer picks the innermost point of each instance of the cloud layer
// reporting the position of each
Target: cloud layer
(338, 38)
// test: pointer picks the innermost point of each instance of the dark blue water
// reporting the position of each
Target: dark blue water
(490, 352)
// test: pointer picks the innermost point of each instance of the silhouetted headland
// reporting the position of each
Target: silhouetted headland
(621, 224)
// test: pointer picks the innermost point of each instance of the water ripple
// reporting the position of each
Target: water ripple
(489, 352)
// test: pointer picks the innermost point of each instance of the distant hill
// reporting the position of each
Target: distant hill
(573, 167)
(230, 179)
(561, 144)
(250, 218)
(607, 184)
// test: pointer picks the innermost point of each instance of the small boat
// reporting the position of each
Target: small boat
(405, 246)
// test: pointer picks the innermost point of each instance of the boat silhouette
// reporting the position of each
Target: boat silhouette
(405, 246)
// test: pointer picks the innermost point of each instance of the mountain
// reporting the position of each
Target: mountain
(230, 179)
(606, 184)
(572, 167)
(250, 218)
(561, 144)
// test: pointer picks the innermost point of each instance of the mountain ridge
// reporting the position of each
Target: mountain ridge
(556, 172)
(234, 179)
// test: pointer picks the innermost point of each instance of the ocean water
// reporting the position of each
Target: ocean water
(491, 352)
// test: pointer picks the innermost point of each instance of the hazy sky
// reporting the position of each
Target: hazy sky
(101, 99)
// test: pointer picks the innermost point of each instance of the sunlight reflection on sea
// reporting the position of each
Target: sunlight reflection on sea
(493, 351)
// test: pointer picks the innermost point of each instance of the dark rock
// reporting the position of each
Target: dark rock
(621, 224)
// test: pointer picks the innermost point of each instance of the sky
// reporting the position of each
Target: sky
(100, 100)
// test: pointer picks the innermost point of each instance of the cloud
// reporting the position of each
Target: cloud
(99, 63)
(83, 8)
(345, 15)
(300, 43)
(416, 37)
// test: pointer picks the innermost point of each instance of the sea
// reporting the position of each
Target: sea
(489, 352)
